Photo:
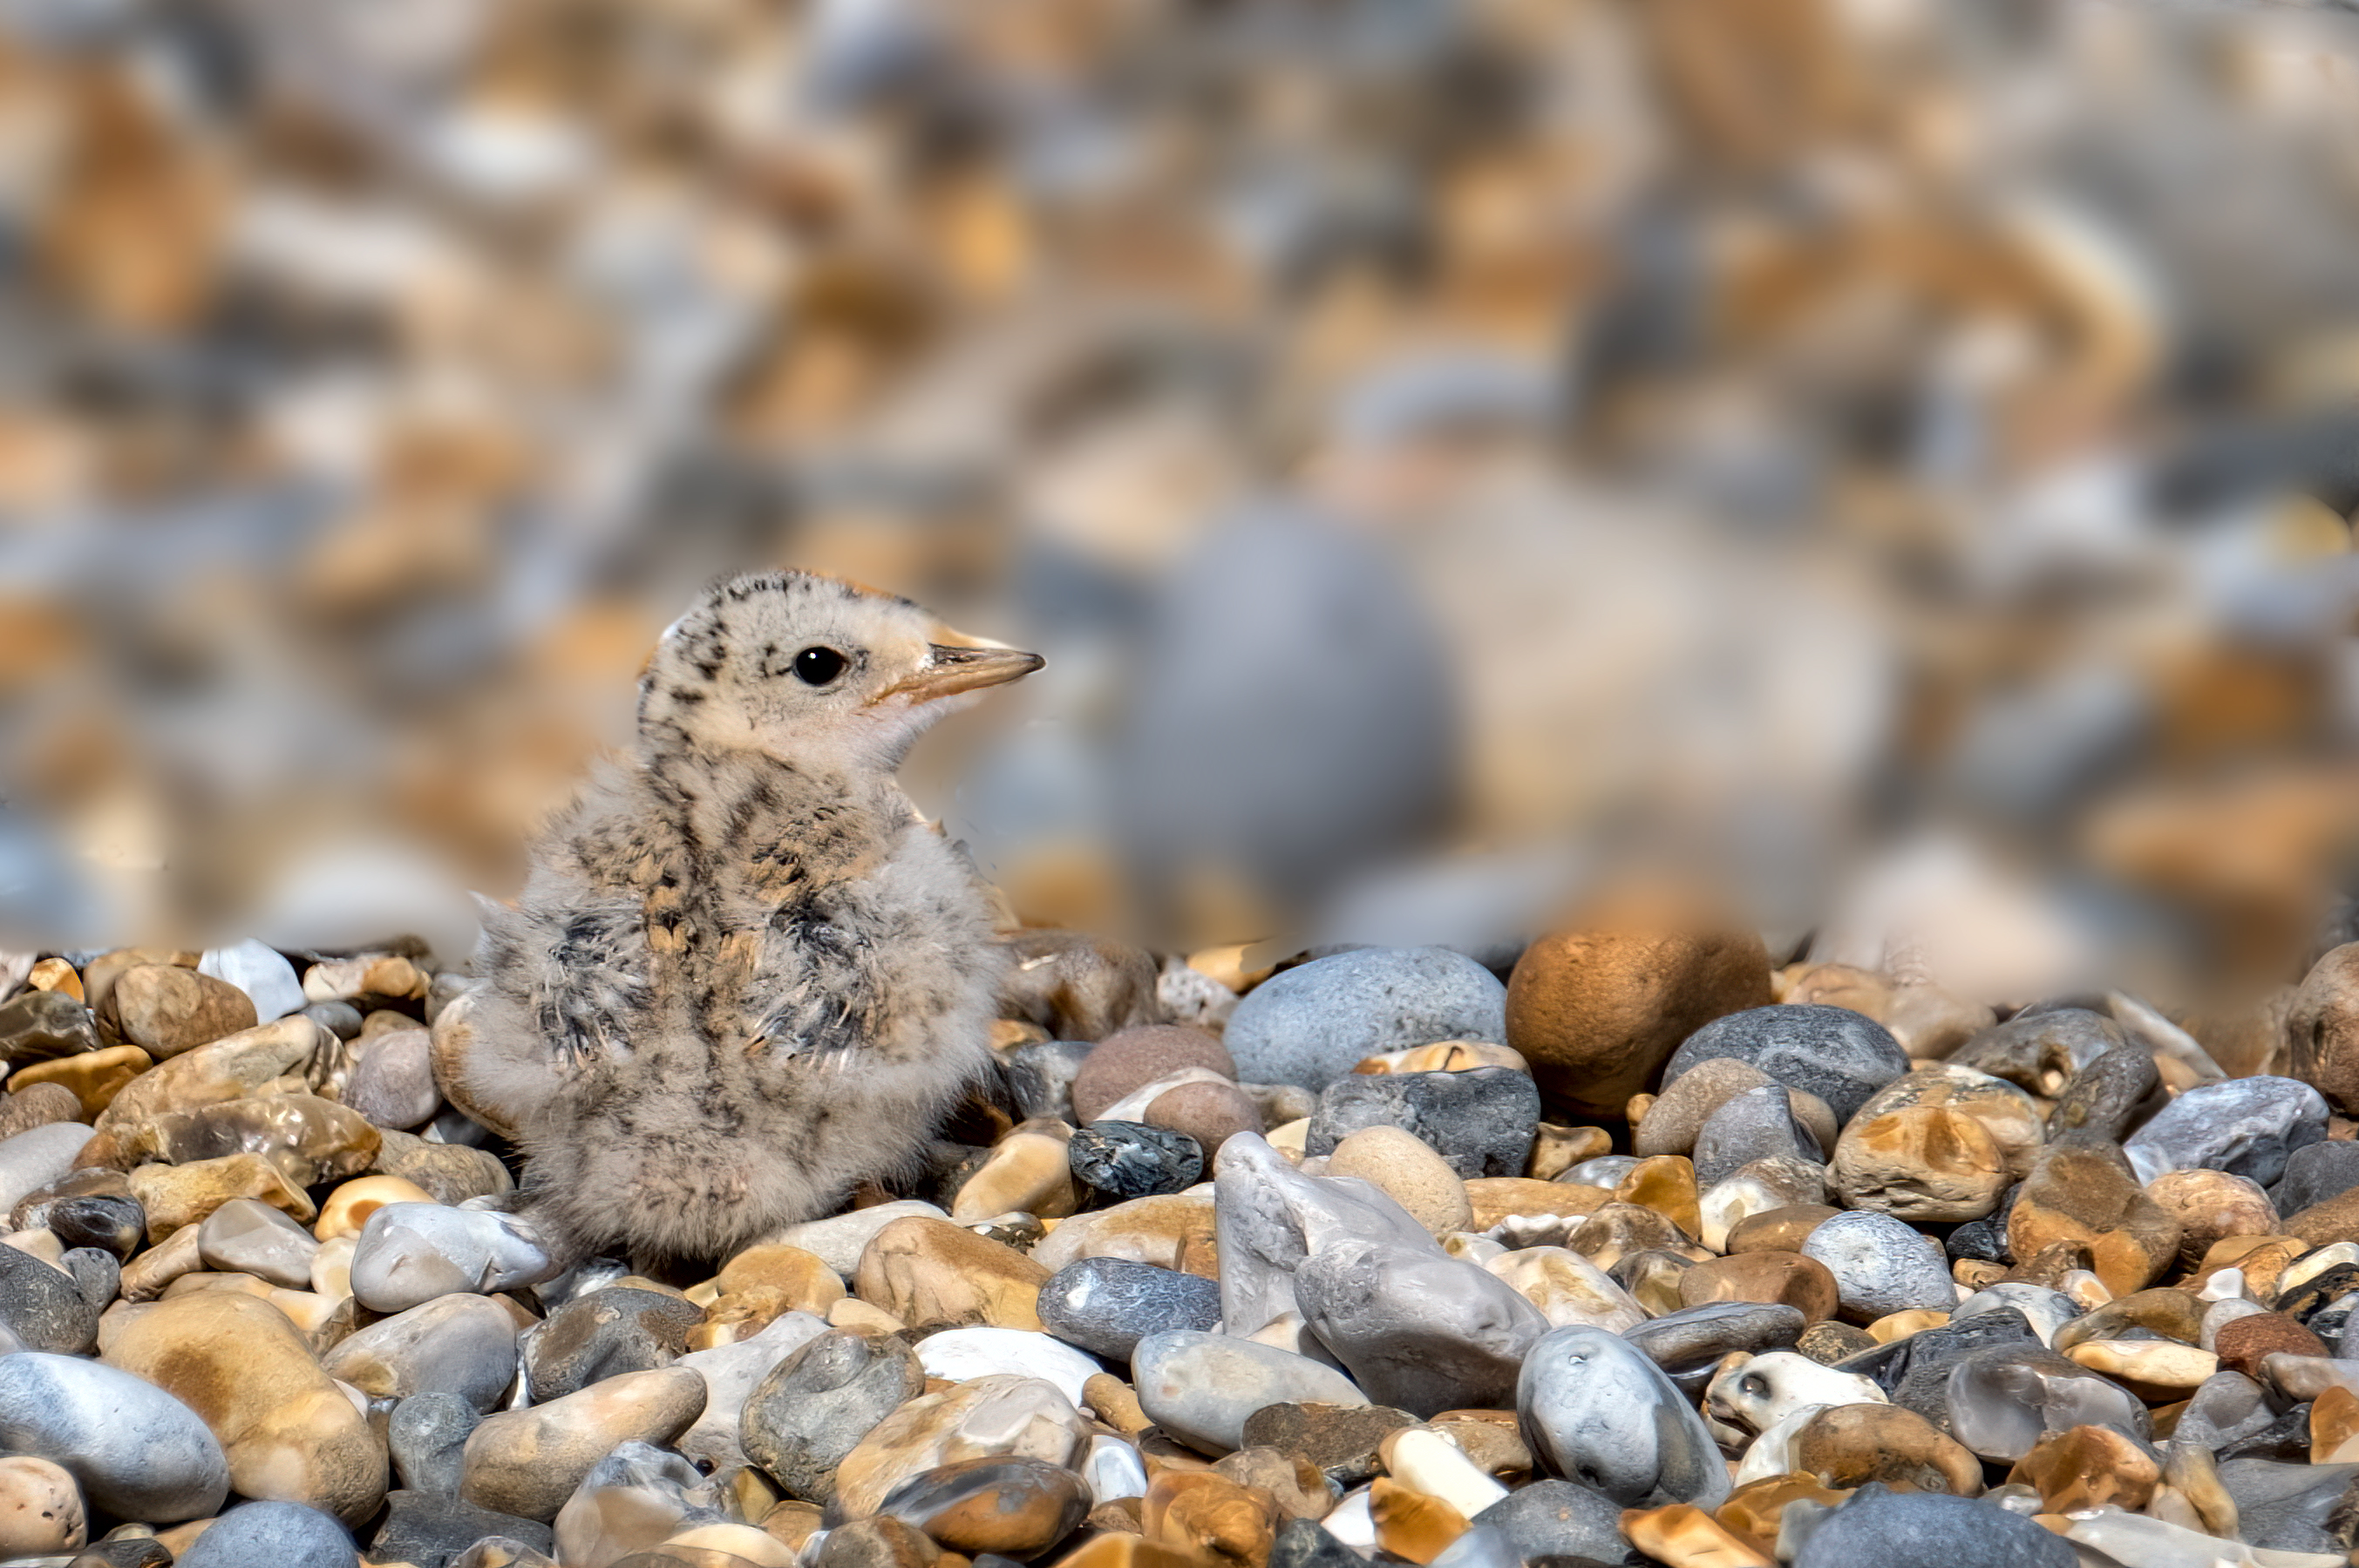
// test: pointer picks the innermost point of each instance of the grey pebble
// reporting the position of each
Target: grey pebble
(1839, 1056)
(393, 1082)
(1418, 1331)
(43, 1306)
(280, 1535)
(817, 1404)
(1594, 1409)
(1881, 1265)
(1758, 1123)
(1551, 1517)
(2246, 1127)
(138, 1452)
(1882, 1528)
(1107, 1305)
(1199, 1388)
(425, 1437)
(1313, 1023)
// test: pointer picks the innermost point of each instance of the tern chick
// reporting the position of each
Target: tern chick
(744, 974)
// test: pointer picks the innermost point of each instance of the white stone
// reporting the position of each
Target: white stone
(409, 1253)
(1423, 1460)
(256, 969)
(1757, 1390)
(1113, 1469)
(957, 1354)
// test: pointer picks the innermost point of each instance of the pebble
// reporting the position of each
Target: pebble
(1693, 1339)
(529, 1462)
(1016, 1507)
(1314, 1022)
(925, 1270)
(44, 1308)
(2103, 1101)
(37, 1157)
(1753, 1124)
(2041, 1049)
(2246, 1127)
(426, 1528)
(1595, 1410)
(135, 1451)
(459, 1344)
(1207, 1114)
(2002, 1399)
(36, 1104)
(246, 1237)
(288, 1432)
(1078, 986)
(604, 1333)
(1269, 1219)
(166, 1009)
(1551, 1517)
(1130, 1160)
(393, 1082)
(956, 1354)
(1567, 1289)
(2209, 1207)
(41, 1025)
(425, 1438)
(2087, 1194)
(1596, 1011)
(267, 979)
(2323, 1027)
(1674, 1118)
(310, 1140)
(1482, 1123)
(1927, 1530)
(1201, 1387)
(817, 1403)
(1040, 1076)
(41, 1507)
(997, 1416)
(1838, 1055)
(1418, 1331)
(1855, 1444)
(409, 1253)
(1107, 1305)
(281, 1534)
(1409, 1170)
(1880, 1265)
(1130, 1060)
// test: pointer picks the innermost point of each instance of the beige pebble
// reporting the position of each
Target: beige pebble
(179, 1195)
(1029, 1172)
(41, 1507)
(350, 1205)
(1406, 1170)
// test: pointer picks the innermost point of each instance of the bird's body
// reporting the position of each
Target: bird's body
(744, 974)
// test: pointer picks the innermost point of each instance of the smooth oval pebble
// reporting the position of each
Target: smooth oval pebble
(1018, 1508)
(1201, 1387)
(1594, 1409)
(278, 1535)
(1107, 1305)
(138, 1453)
(1881, 1265)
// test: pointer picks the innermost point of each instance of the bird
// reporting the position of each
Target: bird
(744, 973)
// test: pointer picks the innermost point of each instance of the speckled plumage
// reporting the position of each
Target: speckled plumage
(744, 974)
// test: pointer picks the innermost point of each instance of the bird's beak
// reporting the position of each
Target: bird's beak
(951, 670)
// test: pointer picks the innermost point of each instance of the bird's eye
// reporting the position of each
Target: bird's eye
(817, 666)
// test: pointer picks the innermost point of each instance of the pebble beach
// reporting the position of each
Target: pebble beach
(1644, 1253)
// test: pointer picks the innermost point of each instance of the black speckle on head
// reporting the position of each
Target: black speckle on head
(687, 695)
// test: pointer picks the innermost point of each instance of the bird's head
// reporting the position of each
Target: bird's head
(813, 670)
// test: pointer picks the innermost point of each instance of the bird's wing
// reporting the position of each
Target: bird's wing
(812, 992)
(580, 974)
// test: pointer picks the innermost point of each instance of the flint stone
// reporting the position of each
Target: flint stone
(1594, 1409)
(42, 1026)
(732, 1373)
(2102, 1102)
(428, 1530)
(2002, 1399)
(2246, 1127)
(1131, 1160)
(44, 1309)
(1914, 1371)
(136, 1452)
(2286, 1507)
(814, 1407)
(2315, 1173)
(1693, 1339)
(1482, 1123)
(604, 1333)
(1107, 1305)
(1268, 1218)
(1314, 1022)
(459, 1344)
(1421, 1333)
(1839, 1056)
(2041, 1049)
(1040, 1077)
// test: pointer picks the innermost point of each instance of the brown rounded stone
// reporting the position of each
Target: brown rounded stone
(2087, 1467)
(2241, 1344)
(2209, 1205)
(2328, 1221)
(1211, 1114)
(1300, 1489)
(1777, 1229)
(1016, 1507)
(1782, 1278)
(290, 1434)
(1851, 1445)
(1134, 1058)
(925, 1270)
(165, 1009)
(37, 1104)
(1919, 1163)
(177, 1196)
(2171, 1313)
(1757, 1507)
(1214, 1519)
(2088, 1195)
(2157, 1371)
(1597, 1012)
(2322, 1027)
